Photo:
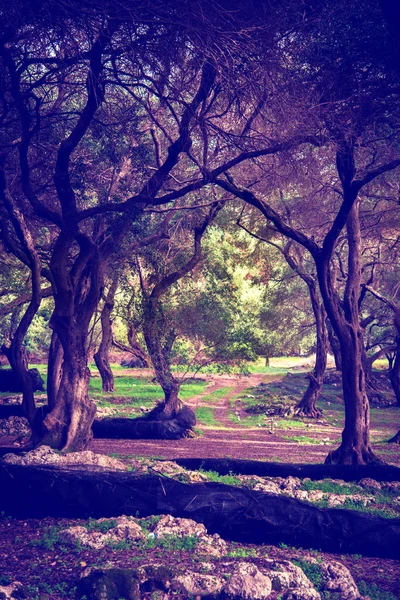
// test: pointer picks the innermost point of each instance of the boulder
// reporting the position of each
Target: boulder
(194, 584)
(121, 529)
(212, 545)
(109, 584)
(284, 575)
(337, 578)
(247, 582)
(302, 594)
(12, 591)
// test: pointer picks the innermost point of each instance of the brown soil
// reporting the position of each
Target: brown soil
(233, 440)
(31, 553)
(54, 570)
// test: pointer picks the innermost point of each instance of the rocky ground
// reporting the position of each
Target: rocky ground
(166, 557)
(162, 557)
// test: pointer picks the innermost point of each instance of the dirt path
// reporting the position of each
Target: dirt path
(227, 439)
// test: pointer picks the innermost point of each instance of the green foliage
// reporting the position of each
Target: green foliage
(101, 526)
(241, 552)
(49, 539)
(205, 416)
(374, 591)
(173, 543)
(332, 487)
(312, 571)
(230, 479)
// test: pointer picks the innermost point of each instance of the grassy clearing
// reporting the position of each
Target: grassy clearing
(215, 396)
(205, 416)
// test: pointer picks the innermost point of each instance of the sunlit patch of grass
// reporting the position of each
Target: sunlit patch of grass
(306, 440)
(217, 394)
(251, 421)
(205, 416)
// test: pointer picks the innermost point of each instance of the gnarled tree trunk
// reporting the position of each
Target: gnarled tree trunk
(159, 337)
(335, 346)
(307, 405)
(394, 372)
(54, 370)
(101, 357)
(68, 424)
(355, 447)
(15, 353)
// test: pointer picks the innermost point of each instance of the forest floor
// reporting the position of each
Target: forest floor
(238, 417)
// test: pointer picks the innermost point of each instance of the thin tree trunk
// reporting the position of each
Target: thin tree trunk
(101, 357)
(307, 405)
(355, 447)
(159, 335)
(394, 372)
(335, 346)
(159, 341)
(54, 370)
(15, 353)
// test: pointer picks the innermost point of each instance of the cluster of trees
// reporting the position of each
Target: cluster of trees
(131, 133)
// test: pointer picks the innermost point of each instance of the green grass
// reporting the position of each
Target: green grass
(101, 526)
(374, 591)
(230, 479)
(205, 416)
(332, 487)
(305, 439)
(252, 421)
(217, 394)
(312, 571)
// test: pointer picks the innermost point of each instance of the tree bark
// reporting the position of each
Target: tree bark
(355, 447)
(68, 424)
(394, 372)
(335, 346)
(307, 405)
(101, 357)
(54, 370)
(15, 353)
(158, 333)
(395, 439)
(159, 337)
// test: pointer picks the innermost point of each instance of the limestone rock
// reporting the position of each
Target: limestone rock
(285, 575)
(290, 484)
(302, 594)
(339, 499)
(99, 584)
(207, 544)
(12, 591)
(169, 525)
(124, 530)
(247, 582)
(196, 584)
(15, 426)
(367, 482)
(263, 484)
(338, 578)
(44, 455)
